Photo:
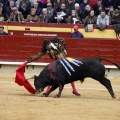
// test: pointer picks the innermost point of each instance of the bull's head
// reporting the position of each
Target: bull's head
(39, 86)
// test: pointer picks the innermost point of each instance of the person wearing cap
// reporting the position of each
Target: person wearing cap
(116, 17)
(56, 49)
(50, 10)
(16, 16)
(2, 31)
(76, 33)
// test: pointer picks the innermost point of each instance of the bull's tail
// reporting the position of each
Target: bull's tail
(118, 66)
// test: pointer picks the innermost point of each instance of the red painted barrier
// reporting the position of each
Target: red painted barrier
(20, 48)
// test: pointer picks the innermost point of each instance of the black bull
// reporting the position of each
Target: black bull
(55, 75)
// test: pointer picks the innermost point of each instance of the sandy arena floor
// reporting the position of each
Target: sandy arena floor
(95, 102)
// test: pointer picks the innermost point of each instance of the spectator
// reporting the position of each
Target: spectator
(82, 6)
(73, 18)
(41, 3)
(32, 2)
(16, 16)
(86, 12)
(90, 19)
(93, 2)
(19, 2)
(2, 31)
(38, 9)
(7, 3)
(102, 20)
(44, 16)
(24, 9)
(110, 12)
(98, 7)
(57, 4)
(116, 17)
(49, 10)
(2, 12)
(63, 8)
(78, 11)
(32, 17)
(59, 17)
(70, 6)
(9, 10)
(76, 33)
(108, 3)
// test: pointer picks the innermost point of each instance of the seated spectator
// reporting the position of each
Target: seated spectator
(19, 2)
(70, 6)
(7, 3)
(38, 9)
(49, 10)
(116, 17)
(2, 12)
(73, 18)
(57, 4)
(63, 8)
(24, 9)
(90, 19)
(82, 6)
(16, 16)
(98, 7)
(9, 9)
(59, 17)
(76, 33)
(32, 17)
(2, 31)
(86, 12)
(78, 11)
(93, 2)
(44, 16)
(111, 12)
(102, 20)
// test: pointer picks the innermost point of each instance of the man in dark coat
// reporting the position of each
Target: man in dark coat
(2, 31)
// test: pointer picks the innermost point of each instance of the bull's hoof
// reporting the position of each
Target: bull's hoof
(37, 92)
(77, 94)
(45, 95)
(114, 97)
(57, 96)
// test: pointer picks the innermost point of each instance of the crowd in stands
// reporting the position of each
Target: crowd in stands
(100, 12)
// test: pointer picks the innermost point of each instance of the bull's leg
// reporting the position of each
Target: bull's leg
(104, 81)
(46, 94)
(61, 86)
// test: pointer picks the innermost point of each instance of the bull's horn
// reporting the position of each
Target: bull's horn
(30, 78)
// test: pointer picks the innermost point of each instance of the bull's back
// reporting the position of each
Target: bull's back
(91, 67)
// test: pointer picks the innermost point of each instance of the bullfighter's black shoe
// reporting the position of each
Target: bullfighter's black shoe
(77, 94)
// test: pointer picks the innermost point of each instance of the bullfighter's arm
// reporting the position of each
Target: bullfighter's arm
(35, 57)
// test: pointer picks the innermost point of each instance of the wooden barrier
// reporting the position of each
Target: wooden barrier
(53, 27)
(20, 48)
(39, 33)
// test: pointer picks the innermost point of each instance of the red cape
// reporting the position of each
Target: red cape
(21, 80)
